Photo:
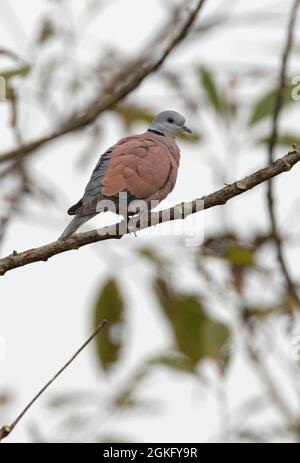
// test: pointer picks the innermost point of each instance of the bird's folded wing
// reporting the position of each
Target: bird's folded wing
(92, 194)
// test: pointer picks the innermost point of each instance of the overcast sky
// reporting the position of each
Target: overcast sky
(46, 307)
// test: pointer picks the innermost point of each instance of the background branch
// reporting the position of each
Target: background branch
(271, 147)
(120, 86)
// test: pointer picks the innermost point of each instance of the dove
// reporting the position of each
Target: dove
(143, 166)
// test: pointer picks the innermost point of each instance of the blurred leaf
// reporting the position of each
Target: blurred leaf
(70, 399)
(131, 114)
(250, 435)
(110, 307)
(288, 304)
(152, 256)
(46, 32)
(216, 98)
(261, 312)
(21, 71)
(195, 137)
(286, 139)
(126, 397)
(113, 438)
(240, 256)
(174, 361)
(197, 335)
(268, 435)
(265, 106)
(210, 89)
(9, 91)
(5, 398)
(216, 244)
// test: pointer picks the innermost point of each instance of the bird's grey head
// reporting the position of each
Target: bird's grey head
(169, 123)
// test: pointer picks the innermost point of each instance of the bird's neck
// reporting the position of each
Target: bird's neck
(157, 132)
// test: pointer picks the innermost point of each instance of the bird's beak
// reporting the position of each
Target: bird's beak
(186, 129)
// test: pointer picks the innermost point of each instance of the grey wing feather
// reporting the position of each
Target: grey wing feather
(87, 204)
(75, 223)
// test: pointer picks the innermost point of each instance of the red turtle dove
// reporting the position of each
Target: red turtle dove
(142, 166)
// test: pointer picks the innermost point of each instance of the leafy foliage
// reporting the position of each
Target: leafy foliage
(195, 137)
(210, 88)
(217, 98)
(8, 75)
(239, 256)
(174, 361)
(131, 114)
(286, 139)
(47, 31)
(21, 71)
(109, 306)
(265, 105)
(197, 335)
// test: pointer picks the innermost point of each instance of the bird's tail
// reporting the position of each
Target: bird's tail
(74, 225)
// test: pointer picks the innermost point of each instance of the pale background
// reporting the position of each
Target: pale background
(46, 307)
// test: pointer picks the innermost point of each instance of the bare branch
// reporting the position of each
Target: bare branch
(217, 198)
(272, 144)
(270, 385)
(6, 430)
(123, 83)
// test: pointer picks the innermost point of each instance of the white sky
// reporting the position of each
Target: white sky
(46, 307)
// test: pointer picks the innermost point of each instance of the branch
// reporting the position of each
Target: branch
(267, 379)
(272, 144)
(220, 197)
(270, 385)
(6, 430)
(122, 85)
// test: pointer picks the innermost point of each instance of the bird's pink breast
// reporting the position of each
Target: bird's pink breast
(146, 165)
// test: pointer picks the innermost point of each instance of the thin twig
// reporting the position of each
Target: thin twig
(123, 84)
(6, 430)
(269, 383)
(272, 144)
(180, 211)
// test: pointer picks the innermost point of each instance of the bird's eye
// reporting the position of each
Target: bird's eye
(171, 120)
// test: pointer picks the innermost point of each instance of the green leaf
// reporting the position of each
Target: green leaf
(21, 71)
(197, 335)
(126, 397)
(261, 312)
(9, 92)
(240, 256)
(210, 89)
(174, 361)
(195, 137)
(152, 256)
(131, 114)
(109, 306)
(46, 32)
(265, 105)
(286, 139)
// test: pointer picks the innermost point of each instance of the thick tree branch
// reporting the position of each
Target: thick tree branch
(220, 197)
(272, 144)
(122, 84)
